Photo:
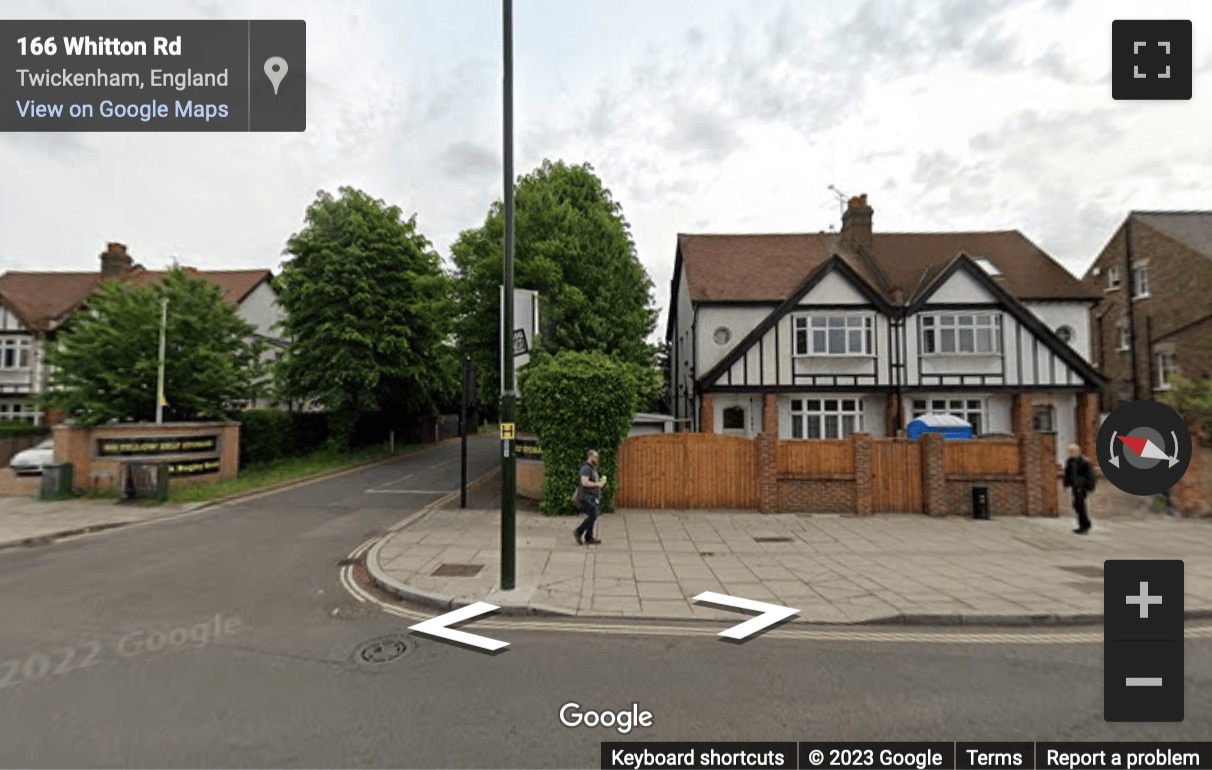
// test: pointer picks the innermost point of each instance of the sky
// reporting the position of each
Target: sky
(725, 116)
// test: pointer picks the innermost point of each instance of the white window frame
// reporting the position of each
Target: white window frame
(1140, 281)
(824, 413)
(959, 406)
(12, 411)
(1125, 340)
(1112, 278)
(1166, 364)
(813, 324)
(932, 324)
(22, 354)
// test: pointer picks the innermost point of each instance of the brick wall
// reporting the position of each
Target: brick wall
(1180, 293)
(1086, 416)
(934, 474)
(707, 414)
(1188, 496)
(815, 496)
(1006, 497)
(767, 459)
(77, 444)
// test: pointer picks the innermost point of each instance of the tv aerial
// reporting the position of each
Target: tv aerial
(841, 199)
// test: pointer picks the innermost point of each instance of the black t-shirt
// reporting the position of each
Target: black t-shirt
(590, 494)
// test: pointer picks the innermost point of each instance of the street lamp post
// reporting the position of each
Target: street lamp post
(160, 375)
(508, 391)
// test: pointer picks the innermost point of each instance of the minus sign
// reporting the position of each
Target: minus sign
(1143, 681)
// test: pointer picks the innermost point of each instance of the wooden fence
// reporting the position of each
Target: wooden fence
(687, 470)
(859, 474)
(985, 457)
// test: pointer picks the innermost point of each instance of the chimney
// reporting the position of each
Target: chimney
(115, 261)
(856, 223)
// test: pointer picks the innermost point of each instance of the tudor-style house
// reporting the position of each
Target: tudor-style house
(860, 331)
(1154, 316)
(34, 305)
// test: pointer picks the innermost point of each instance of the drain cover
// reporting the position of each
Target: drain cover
(457, 570)
(773, 540)
(385, 649)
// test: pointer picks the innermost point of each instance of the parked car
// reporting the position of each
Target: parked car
(30, 461)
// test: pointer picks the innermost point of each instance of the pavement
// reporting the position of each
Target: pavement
(835, 569)
(26, 521)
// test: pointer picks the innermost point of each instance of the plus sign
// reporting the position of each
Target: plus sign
(1144, 600)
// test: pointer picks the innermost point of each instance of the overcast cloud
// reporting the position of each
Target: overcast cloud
(699, 115)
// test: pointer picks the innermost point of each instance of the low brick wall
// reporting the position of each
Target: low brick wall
(100, 453)
(817, 495)
(1007, 496)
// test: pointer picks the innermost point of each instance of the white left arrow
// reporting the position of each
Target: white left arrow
(441, 627)
(771, 613)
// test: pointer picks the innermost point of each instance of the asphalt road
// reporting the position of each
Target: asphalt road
(258, 665)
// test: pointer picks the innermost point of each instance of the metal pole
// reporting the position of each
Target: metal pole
(160, 376)
(508, 395)
(463, 430)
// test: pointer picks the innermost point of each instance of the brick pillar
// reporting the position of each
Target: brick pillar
(861, 446)
(767, 459)
(1048, 473)
(1021, 414)
(707, 414)
(1029, 449)
(934, 474)
(1087, 423)
(1188, 496)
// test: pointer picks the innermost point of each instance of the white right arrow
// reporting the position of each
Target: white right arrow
(440, 627)
(771, 613)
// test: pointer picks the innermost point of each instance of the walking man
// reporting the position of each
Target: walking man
(1079, 479)
(590, 499)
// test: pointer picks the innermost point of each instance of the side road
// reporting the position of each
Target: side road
(835, 569)
(26, 521)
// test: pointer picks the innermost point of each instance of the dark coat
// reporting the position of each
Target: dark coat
(1079, 475)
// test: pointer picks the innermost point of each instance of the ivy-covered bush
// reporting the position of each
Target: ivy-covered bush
(578, 401)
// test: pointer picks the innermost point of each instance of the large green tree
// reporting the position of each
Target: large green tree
(104, 363)
(573, 245)
(367, 312)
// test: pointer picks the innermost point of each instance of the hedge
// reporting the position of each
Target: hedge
(22, 428)
(578, 401)
(267, 435)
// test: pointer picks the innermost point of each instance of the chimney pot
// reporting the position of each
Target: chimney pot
(856, 223)
(115, 261)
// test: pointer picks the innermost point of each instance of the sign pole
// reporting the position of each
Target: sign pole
(463, 425)
(160, 376)
(508, 393)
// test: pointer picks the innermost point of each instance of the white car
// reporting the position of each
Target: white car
(30, 461)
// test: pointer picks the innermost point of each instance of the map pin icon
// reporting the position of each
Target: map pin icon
(275, 70)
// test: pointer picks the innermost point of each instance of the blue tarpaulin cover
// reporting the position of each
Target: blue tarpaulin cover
(947, 424)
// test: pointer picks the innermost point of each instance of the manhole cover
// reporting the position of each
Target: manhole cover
(382, 650)
(1085, 571)
(457, 570)
(774, 540)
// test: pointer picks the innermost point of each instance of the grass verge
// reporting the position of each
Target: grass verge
(280, 472)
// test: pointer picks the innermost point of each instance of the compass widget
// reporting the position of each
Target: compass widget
(1144, 448)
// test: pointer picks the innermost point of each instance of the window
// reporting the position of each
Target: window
(826, 417)
(722, 335)
(19, 411)
(969, 333)
(970, 410)
(734, 418)
(1112, 277)
(1167, 365)
(1140, 281)
(1043, 418)
(14, 353)
(834, 335)
(1124, 337)
(1065, 333)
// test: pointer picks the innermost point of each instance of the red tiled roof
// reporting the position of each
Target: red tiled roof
(721, 268)
(43, 300)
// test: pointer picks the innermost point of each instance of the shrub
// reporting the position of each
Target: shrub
(22, 428)
(267, 435)
(577, 401)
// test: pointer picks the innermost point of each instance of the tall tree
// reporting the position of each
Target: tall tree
(573, 245)
(104, 363)
(367, 312)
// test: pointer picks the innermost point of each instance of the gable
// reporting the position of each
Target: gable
(961, 287)
(835, 289)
